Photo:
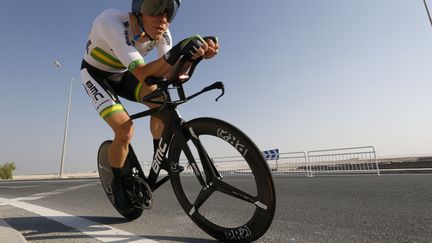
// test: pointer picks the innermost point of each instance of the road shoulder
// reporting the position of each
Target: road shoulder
(9, 234)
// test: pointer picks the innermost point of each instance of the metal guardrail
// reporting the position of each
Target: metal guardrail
(293, 163)
(343, 160)
(318, 162)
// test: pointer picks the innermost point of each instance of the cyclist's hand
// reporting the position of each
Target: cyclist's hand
(192, 48)
(213, 46)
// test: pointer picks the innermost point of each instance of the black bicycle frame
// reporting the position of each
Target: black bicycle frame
(172, 123)
(173, 127)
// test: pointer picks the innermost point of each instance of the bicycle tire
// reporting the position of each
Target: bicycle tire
(106, 176)
(262, 217)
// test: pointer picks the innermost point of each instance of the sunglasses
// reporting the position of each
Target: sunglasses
(158, 7)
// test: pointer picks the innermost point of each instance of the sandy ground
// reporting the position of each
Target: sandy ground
(57, 176)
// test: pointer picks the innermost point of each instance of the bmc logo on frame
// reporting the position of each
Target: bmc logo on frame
(160, 153)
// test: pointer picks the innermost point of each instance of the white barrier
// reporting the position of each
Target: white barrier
(294, 163)
(318, 162)
(343, 160)
(226, 166)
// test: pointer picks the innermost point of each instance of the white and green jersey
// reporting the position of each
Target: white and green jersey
(110, 46)
(111, 50)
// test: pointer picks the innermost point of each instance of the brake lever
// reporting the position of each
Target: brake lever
(221, 87)
(216, 85)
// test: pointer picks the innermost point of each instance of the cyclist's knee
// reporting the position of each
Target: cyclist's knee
(124, 133)
(156, 127)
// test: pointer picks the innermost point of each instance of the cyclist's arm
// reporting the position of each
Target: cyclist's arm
(157, 68)
(160, 67)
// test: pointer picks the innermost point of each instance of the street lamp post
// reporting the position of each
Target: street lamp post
(427, 11)
(67, 115)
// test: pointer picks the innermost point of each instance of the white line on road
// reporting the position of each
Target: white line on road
(18, 187)
(62, 190)
(47, 181)
(103, 233)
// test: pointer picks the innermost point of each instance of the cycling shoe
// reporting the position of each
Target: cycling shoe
(121, 200)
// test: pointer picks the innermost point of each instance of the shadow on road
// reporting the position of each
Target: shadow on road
(51, 230)
(178, 239)
(106, 220)
(119, 220)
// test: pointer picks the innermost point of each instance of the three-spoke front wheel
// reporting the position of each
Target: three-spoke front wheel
(208, 183)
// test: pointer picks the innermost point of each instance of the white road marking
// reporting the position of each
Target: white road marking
(47, 181)
(18, 187)
(67, 189)
(103, 233)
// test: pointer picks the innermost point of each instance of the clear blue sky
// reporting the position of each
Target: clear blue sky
(300, 76)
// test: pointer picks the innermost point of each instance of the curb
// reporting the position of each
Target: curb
(9, 234)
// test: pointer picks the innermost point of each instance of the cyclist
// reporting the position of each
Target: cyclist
(113, 66)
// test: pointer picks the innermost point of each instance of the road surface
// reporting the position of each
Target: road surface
(364, 208)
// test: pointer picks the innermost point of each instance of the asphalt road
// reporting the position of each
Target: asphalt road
(367, 208)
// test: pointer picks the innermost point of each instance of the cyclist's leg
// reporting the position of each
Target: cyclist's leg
(134, 90)
(156, 124)
(122, 126)
(111, 110)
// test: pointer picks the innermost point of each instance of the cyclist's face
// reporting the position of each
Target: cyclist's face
(155, 26)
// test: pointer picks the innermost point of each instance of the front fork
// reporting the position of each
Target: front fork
(207, 163)
(183, 133)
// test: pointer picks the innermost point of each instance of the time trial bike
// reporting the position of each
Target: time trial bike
(201, 182)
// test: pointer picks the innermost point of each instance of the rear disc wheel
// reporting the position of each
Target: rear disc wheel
(106, 177)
